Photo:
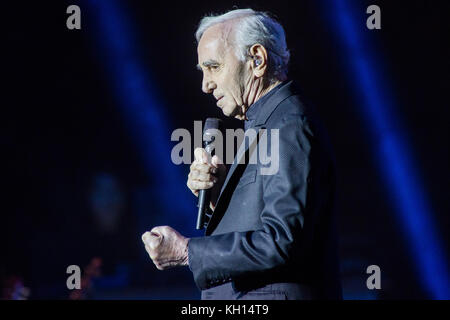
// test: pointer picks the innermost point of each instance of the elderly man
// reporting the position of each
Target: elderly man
(268, 236)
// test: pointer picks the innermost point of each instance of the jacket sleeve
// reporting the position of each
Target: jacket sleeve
(218, 258)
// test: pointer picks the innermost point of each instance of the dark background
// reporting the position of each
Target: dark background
(67, 138)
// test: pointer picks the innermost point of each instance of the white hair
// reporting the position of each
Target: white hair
(253, 27)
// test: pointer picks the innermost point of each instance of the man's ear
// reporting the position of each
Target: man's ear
(259, 57)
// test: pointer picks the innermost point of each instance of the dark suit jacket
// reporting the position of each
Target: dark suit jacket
(273, 236)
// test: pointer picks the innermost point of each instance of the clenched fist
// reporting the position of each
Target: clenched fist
(205, 175)
(166, 247)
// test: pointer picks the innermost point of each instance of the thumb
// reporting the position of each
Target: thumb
(201, 155)
(154, 241)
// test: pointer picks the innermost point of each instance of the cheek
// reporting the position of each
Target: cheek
(233, 93)
(232, 87)
(239, 85)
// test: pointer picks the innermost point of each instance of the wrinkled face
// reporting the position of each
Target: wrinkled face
(224, 75)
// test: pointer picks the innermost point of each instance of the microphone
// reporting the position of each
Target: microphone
(204, 196)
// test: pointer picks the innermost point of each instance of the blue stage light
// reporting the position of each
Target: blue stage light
(394, 158)
(117, 44)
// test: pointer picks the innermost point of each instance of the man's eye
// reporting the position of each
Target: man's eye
(214, 67)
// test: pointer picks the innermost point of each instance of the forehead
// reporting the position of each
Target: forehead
(212, 44)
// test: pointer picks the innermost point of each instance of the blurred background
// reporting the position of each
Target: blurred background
(86, 124)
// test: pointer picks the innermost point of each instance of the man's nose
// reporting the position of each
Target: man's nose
(208, 86)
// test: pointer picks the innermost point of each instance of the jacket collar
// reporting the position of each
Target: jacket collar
(253, 111)
(287, 89)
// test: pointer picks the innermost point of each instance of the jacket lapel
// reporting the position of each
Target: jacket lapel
(240, 158)
(244, 153)
(237, 168)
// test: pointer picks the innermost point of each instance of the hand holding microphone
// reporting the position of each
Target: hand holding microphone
(206, 174)
(168, 248)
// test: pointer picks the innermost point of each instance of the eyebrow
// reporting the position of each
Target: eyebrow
(208, 63)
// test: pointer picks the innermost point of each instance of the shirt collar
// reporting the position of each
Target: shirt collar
(252, 111)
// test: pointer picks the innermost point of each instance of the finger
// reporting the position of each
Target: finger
(216, 161)
(151, 253)
(193, 164)
(202, 185)
(203, 177)
(202, 167)
(218, 164)
(213, 169)
(191, 187)
(153, 256)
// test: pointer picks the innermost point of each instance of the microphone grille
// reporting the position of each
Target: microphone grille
(211, 123)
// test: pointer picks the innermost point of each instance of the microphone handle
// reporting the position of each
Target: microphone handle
(204, 196)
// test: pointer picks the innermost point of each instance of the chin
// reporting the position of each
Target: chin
(229, 111)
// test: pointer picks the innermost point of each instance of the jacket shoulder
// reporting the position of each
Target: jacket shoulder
(296, 109)
(292, 107)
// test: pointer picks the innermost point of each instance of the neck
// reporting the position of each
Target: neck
(256, 91)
